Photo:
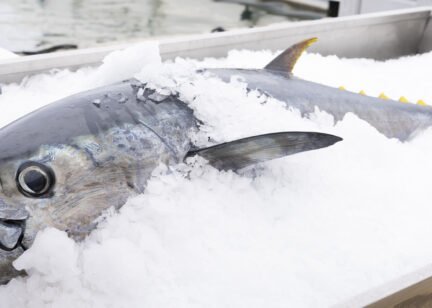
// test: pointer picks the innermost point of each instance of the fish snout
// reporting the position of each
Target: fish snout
(12, 225)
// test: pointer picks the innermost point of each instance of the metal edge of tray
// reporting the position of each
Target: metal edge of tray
(426, 42)
(410, 290)
(379, 35)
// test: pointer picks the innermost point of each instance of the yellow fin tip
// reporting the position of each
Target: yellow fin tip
(403, 99)
(383, 96)
(421, 102)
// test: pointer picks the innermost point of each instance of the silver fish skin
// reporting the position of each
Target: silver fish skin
(391, 118)
(63, 165)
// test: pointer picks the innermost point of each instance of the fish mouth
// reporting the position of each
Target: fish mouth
(12, 226)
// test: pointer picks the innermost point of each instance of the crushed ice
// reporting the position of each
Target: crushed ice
(308, 230)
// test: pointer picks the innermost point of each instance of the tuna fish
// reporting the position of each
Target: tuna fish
(64, 164)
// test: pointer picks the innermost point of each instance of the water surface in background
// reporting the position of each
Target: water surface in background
(34, 24)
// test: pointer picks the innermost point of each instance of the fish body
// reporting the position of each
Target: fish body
(63, 165)
(391, 118)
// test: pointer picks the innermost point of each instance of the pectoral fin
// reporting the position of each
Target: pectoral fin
(241, 153)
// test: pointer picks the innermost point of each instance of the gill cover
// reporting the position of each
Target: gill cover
(241, 153)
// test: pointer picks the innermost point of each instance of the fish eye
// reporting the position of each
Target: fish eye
(35, 179)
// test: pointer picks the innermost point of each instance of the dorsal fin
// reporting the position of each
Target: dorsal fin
(241, 153)
(286, 61)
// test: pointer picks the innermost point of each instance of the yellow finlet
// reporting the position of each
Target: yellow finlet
(383, 96)
(421, 102)
(362, 92)
(403, 99)
(342, 88)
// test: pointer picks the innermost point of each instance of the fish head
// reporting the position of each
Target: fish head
(60, 186)
(62, 166)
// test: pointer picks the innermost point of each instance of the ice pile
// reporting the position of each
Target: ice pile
(309, 230)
